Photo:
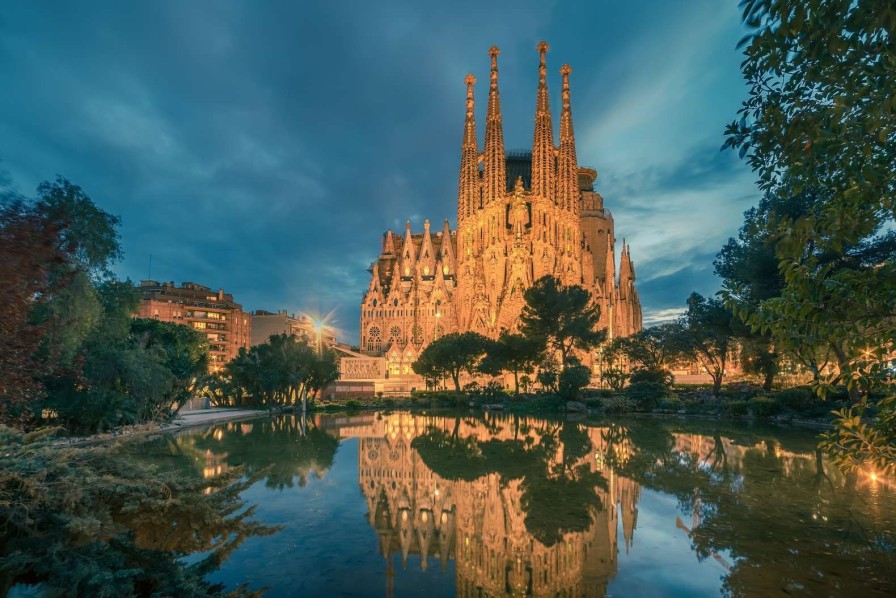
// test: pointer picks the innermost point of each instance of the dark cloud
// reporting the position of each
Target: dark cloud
(264, 148)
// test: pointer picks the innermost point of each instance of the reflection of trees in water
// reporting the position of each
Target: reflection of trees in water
(559, 491)
(788, 521)
(89, 521)
(285, 451)
(523, 501)
(455, 488)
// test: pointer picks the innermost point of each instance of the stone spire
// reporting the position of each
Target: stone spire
(388, 243)
(494, 166)
(543, 142)
(408, 253)
(567, 168)
(468, 186)
(626, 272)
(449, 265)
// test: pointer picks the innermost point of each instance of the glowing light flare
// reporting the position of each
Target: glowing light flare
(323, 324)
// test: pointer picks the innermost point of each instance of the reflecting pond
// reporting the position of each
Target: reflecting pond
(405, 504)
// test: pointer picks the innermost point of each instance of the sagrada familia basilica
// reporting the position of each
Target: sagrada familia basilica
(520, 216)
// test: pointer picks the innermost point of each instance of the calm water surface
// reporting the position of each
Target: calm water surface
(404, 504)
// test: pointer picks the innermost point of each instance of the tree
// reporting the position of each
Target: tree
(564, 317)
(573, 379)
(821, 114)
(515, 353)
(614, 371)
(285, 370)
(450, 355)
(652, 349)
(28, 253)
(706, 334)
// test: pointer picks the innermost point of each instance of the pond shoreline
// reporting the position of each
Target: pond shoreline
(204, 417)
(183, 421)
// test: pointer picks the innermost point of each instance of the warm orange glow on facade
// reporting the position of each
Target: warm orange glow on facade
(213, 313)
(521, 216)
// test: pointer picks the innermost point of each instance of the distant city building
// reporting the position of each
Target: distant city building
(520, 216)
(215, 314)
(266, 324)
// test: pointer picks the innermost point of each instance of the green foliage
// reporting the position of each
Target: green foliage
(796, 399)
(450, 355)
(548, 375)
(764, 407)
(736, 408)
(514, 353)
(134, 370)
(563, 317)
(820, 119)
(573, 378)
(559, 495)
(282, 371)
(619, 404)
(655, 376)
(650, 348)
(705, 333)
(86, 521)
(99, 367)
(87, 233)
(647, 394)
(670, 403)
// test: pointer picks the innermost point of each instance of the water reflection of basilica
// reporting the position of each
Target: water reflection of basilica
(480, 524)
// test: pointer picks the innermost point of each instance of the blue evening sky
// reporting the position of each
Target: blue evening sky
(264, 146)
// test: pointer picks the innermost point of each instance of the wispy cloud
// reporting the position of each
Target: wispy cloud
(264, 149)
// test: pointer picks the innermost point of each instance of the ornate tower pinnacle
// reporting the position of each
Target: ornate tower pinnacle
(543, 142)
(468, 186)
(494, 167)
(567, 167)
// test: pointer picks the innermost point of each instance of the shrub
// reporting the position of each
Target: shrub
(573, 379)
(647, 395)
(795, 399)
(618, 404)
(353, 404)
(669, 404)
(699, 407)
(494, 391)
(764, 407)
(736, 408)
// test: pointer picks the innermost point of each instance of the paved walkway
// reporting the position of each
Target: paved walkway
(200, 417)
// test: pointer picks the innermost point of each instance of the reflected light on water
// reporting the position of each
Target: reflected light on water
(548, 507)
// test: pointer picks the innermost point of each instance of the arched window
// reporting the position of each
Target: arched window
(374, 341)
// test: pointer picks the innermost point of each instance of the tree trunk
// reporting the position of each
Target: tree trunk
(855, 394)
(716, 384)
(516, 383)
(456, 377)
(767, 381)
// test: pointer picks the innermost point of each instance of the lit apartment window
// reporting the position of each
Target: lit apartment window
(199, 325)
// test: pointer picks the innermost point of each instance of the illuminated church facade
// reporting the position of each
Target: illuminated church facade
(520, 216)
